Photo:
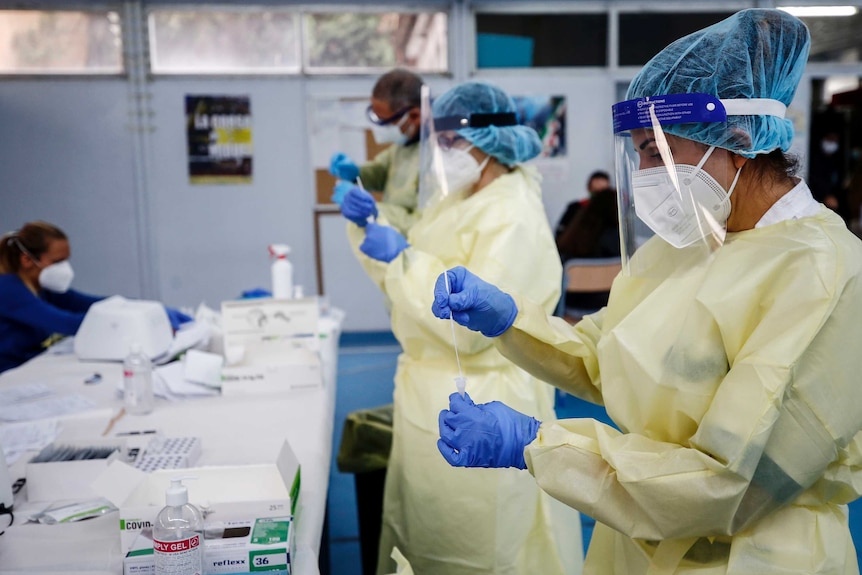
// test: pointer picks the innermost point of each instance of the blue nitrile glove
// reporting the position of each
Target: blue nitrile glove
(343, 167)
(176, 317)
(474, 303)
(358, 205)
(382, 243)
(255, 293)
(340, 190)
(485, 435)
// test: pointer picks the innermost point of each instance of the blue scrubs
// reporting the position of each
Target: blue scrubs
(27, 320)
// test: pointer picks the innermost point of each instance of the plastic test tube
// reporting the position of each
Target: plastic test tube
(460, 380)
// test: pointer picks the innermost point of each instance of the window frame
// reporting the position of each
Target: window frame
(92, 8)
(317, 71)
(151, 47)
(555, 7)
(302, 10)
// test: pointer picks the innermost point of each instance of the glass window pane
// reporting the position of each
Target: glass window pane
(338, 42)
(60, 42)
(224, 42)
(643, 35)
(836, 38)
(541, 40)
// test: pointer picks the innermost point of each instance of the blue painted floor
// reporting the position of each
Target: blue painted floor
(366, 368)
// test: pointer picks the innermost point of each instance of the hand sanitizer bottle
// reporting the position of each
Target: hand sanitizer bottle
(282, 272)
(178, 534)
(137, 381)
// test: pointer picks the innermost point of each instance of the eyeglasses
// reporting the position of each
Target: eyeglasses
(375, 119)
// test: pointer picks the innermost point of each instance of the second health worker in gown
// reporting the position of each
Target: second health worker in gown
(485, 212)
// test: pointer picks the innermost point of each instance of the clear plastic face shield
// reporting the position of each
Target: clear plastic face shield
(446, 167)
(671, 190)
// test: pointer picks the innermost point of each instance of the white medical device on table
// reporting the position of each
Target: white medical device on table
(113, 324)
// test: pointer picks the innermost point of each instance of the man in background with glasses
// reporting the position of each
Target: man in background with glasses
(395, 117)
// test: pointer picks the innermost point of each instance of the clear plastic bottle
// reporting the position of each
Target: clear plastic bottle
(137, 381)
(178, 533)
(282, 272)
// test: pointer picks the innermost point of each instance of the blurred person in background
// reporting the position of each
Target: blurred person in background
(37, 303)
(394, 173)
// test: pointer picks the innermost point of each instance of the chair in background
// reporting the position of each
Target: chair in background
(587, 283)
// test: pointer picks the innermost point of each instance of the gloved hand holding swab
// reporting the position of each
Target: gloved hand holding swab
(370, 218)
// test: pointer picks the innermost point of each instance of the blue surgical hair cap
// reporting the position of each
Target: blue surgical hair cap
(755, 53)
(509, 144)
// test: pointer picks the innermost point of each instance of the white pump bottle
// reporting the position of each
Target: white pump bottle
(282, 272)
(178, 534)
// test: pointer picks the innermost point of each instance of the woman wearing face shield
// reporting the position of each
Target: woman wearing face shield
(725, 354)
(483, 210)
(36, 301)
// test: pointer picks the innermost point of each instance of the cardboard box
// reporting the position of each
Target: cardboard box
(324, 182)
(260, 491)
(59, 480)
(230, 547)
(272, 345)
(272, 367)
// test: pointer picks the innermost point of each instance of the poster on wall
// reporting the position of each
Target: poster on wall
(546, 115)
(218, 133)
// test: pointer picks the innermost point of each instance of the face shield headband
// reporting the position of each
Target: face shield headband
(502, 119)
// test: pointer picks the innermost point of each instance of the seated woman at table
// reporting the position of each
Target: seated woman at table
(36, 302)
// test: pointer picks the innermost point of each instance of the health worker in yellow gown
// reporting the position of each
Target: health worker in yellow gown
(394, 116)
(485, 212)
(727, 354)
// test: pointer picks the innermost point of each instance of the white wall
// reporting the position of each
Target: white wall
(66, 157)
(211, 240)
(588, 132)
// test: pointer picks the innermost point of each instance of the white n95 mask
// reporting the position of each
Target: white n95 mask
(462, 171)
(698, 208)
(390, 133)
(57, 277)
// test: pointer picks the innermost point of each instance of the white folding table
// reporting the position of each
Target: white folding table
(248, 429)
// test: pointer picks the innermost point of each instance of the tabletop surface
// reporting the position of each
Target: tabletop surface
(234, 430)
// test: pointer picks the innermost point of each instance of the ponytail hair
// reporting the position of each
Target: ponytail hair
(32, 239)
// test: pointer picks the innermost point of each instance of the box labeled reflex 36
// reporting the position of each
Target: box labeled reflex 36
(233, 547)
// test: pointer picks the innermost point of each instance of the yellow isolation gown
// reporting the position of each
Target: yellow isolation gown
(737, 384)
(450, 521)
